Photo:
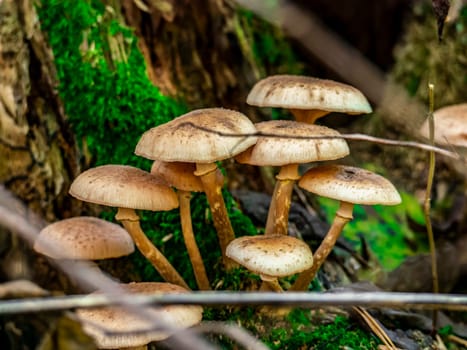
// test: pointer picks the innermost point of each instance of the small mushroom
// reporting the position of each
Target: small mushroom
(350, 186)
(83, 238)
(129, 188)
(308, 98)
(119, 328)
(272, 256)
(288, 148)
(450, 130)
(203, 137)
(181, 176)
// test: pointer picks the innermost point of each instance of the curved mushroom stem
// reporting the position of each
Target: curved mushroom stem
(130, 220)
(213, 189)
(278, 215)
(308, 116)
(272, 284)
(190, 242)
(343, 216)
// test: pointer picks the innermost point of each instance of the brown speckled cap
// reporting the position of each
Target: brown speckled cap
(271, 255)
(123, 186)
(350, 184)
(117, 327)
(302, 92)
(198, 137)
(278, 151)
(450, 125)
(84, 238)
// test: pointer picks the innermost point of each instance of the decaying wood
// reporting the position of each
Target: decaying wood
(37, 149)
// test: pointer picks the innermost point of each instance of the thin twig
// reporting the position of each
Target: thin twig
(426, 301)
(375, 327)
(427, 204)
(352, 137)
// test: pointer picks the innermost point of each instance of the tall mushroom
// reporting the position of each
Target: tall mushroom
(272, 256)
(284, 143)
(308, 98)
(181, 176)
(118, 328)
(350, 186)
(203, 137)
(129, 188)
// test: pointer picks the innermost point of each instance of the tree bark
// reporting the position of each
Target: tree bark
(37, 149)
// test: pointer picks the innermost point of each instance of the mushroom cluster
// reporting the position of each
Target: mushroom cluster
(185, 152)
(289, 143)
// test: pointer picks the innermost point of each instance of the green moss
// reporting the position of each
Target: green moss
(108, 97)
(339, 334)
(300, 329)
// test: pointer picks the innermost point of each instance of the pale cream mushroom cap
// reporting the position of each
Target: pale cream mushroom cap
(350, 184)
(291, 149)
(271, 256)
(302, 92)
(450, 125)
(121, 322)
(123, 186)
(198, 137)
(84, 238)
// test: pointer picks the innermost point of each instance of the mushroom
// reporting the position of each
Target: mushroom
(450, 130)
(117, 327)
(350, 186)
(83, 238)
(288, 148)
(271, 256)
(203, 136)
(129, 188)
(307, 98)
(181, 176)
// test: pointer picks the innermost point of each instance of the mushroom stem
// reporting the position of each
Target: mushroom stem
(308, 116)
(213, 189)
(343, 216)
(130, 220)
(272, 284)
(278, 215)
(190, 242)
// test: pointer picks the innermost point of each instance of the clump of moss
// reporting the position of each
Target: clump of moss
(299, 330)
(107, 95)
(339, 334)
(110, 102)
(421, 57)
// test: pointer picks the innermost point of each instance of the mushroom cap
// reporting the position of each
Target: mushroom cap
(271, 256)
(291, 149)
(450, 125)
(302, 92)
(84, 238)
(350, 184)
(112, 327)
(178, 174)
(123, 186)
(197, 137)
